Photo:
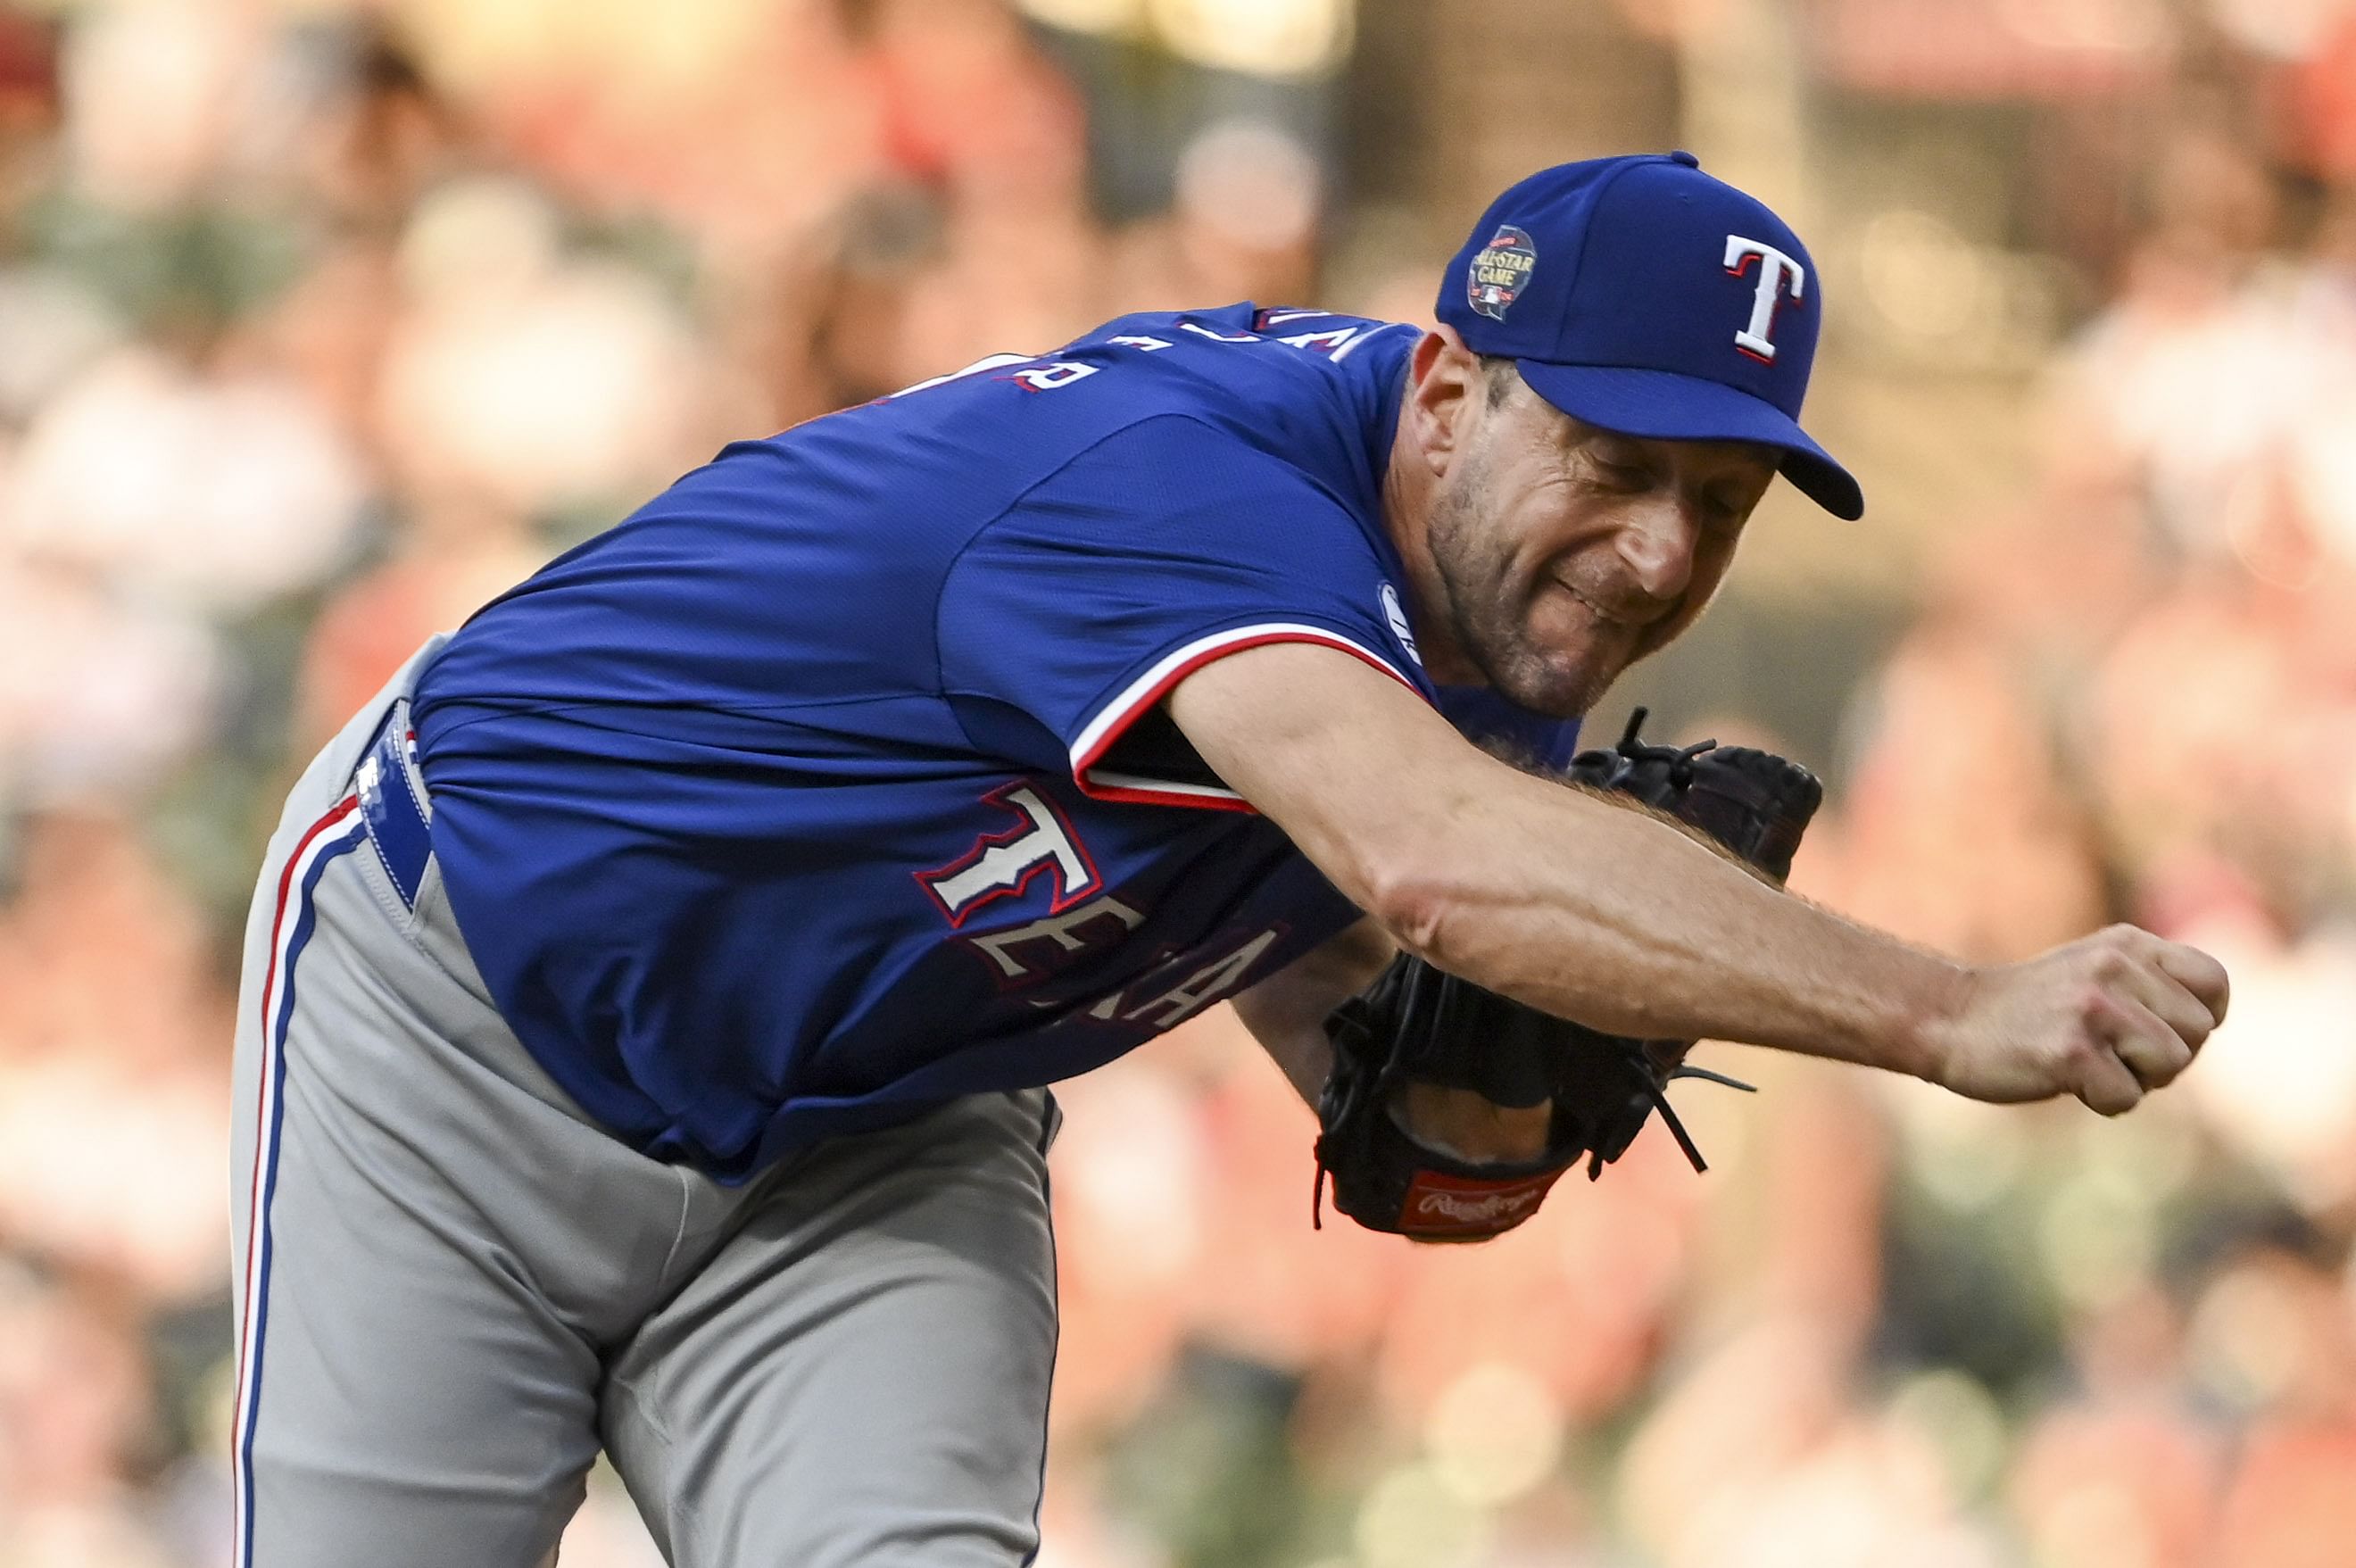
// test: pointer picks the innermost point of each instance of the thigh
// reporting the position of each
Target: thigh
(416, 1378)
(858, 1372)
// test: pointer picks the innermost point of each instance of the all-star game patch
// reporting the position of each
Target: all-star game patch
(1500, 271)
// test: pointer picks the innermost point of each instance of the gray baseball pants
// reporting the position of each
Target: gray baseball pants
(453, 1289)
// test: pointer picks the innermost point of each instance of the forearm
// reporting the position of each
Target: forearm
(1569, 903)
(1543, 892)
(1300, 1051)
(1286, 1012)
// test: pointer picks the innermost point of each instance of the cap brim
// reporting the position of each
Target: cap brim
(1665, 406)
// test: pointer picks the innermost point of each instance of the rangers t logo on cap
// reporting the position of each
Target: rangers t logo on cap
(1775, 271)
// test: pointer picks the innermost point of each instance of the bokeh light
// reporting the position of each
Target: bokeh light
(322, 323)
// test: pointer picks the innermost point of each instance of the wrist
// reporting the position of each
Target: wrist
(1922, 1042)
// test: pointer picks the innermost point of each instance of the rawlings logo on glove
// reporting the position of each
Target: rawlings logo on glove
(1415, 1023)
(1435, 1201)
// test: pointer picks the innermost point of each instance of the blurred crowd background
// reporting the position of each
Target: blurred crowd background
(320, 323)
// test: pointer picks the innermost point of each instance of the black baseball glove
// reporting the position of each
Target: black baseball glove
(1415, 1024)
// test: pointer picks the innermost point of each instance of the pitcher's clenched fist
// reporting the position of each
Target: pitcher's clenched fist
(2106, 1019)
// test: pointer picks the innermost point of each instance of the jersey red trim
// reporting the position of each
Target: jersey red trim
(1110, 724)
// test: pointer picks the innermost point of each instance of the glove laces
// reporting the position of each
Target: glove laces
(1635, 750)
(1657, 1088)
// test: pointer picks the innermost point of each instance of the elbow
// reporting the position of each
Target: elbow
(1418, 907)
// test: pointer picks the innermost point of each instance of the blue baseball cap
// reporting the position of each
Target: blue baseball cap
(1645, 296)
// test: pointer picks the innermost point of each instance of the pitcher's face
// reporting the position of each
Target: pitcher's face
(1566, 552)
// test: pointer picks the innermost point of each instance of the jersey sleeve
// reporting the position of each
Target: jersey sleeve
(1162, 548)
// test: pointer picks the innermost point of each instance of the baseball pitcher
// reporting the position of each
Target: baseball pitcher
(652, 998)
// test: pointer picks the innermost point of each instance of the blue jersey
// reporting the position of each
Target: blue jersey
(833, 783)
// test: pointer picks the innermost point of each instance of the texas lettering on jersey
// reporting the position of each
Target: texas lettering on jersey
(1077, 932)
(1184, 983)
(1002, 864)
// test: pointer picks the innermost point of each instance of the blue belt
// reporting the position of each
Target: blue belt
(393, 803)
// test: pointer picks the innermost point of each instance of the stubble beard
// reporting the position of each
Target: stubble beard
(1488, 611)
